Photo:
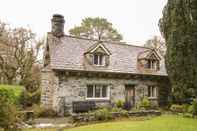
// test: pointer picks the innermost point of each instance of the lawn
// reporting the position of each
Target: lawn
(162, 123)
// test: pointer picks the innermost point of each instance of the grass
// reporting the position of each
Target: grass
(162, 123)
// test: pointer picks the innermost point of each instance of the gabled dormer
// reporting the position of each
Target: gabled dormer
(98, 55)
(149, 60)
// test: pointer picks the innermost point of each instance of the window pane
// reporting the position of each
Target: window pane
(96, 59)
(97, 91)
(104, 91)
(149, 91)
(149, 64)
(154, 91)
(100, 60)
(90, 91)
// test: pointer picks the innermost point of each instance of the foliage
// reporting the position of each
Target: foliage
(158, 44)
(31, 94)
(186, 108)
(177, 108)
(122, 112)
(102, 114)
(179, 28)
(42, 112)
(96, 28)
(120, 104)
(145, 103)
(30, 98)
(8, 112)
(11, 92)
(193, 108)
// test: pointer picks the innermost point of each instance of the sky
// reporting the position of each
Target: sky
(136, 20)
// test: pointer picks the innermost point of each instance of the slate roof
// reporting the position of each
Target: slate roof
(68, 54)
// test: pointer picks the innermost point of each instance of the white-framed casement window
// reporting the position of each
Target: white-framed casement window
(99, 59)
(152, 64)
(152, 91)
(97, 91)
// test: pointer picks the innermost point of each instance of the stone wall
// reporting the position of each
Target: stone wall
(49, 83)
(74, 89)
(59, 91)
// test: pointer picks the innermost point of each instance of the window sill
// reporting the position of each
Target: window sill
(152, 98)
(151, 69)
(99, 65)
(98, 99)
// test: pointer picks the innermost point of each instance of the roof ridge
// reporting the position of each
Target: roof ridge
(111, 42)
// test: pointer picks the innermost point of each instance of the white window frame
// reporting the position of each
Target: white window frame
(153, 92)
(153, 64)
(98, 60)
(98, 98)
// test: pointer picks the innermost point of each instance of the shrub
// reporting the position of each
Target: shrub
(31, 94)
(116, 109)
(122, 112)
(12, 93)
(194, 107)
(177, 108)
(43, 112)
(9, 116)
(186, 108)
(145, 103)
(102, 114)
(119, 104)
(28, 98)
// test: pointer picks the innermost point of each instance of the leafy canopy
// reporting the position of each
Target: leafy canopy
(96, 28)
(179, 28)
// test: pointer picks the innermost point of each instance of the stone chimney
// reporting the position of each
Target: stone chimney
(57, 25)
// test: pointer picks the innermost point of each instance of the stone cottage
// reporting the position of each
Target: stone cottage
(78, 69)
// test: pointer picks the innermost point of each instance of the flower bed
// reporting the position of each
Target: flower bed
(86, 117)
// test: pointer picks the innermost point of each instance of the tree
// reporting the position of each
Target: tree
(179, 28)
(96, 28)
(156, 43)
(31, 94)
(18, 52)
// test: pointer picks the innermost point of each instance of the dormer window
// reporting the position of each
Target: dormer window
(99, 59)
(98, 55)
(152, 64)
(149, 60)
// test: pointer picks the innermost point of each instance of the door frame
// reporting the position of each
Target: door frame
(130, 87)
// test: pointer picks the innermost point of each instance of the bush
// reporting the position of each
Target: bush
(116, 109)
(145, 103)
(194, 108)
(28, 98)
(177, 108)
(119, 104)
(12, 93)
(122, 112)
(43, 112)
(186, 108)
(9, 116)
(31, 95)
(102, 114)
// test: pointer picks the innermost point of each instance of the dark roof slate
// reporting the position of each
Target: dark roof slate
(67, 53)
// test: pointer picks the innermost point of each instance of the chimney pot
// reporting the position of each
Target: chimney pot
(58, 25)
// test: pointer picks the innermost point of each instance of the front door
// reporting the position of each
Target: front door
(129, 96)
